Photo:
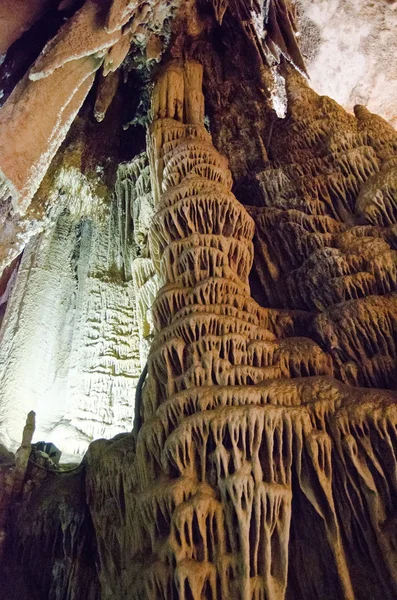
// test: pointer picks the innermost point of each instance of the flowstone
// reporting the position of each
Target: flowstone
(242, 419)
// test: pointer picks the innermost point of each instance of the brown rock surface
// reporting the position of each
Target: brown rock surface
(98, 33)
(16, 17)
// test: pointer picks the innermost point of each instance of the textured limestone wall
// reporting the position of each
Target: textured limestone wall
(36, 332)
(69, 344)
(257, 475)
(135, 194)
(365, 32)
(326, 231)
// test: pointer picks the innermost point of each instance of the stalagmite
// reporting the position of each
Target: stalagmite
(215, 347)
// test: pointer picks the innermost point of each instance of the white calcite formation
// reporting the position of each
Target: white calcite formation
(69, 346)
(135, 201)
(355, 44)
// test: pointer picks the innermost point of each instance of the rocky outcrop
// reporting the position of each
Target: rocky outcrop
(326, 232)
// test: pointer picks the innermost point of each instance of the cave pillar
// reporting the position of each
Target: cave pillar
(229, 536)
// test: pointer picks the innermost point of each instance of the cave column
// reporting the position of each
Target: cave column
(205, 340)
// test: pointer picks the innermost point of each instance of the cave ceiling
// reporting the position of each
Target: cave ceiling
(352, 41)
(350, 47)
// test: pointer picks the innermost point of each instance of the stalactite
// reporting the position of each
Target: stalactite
(48, 98)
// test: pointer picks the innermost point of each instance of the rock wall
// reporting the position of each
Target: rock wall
(366, 33)
(69, 343)
(326, 232)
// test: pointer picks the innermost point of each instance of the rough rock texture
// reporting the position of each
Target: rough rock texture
(135, 194)
(240, 427)
(263, 262)
(12, 475)
(69, 344)
(365, 34)
(48, 98)
(327, 232)
(16, 17)
(256, 473)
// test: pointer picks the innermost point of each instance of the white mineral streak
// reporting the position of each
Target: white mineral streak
(279, 95)
(258, 20)
(69, 188)
(69, 345)
(135, 200)
(350, 48)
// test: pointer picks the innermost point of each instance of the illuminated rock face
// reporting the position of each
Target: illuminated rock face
(364, 31)
(145, 277)
(69, 344)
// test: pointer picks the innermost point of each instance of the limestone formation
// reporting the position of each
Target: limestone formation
(12, 475)
(327, 233)
(366, 32)
(69, 342)
(246, 265)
